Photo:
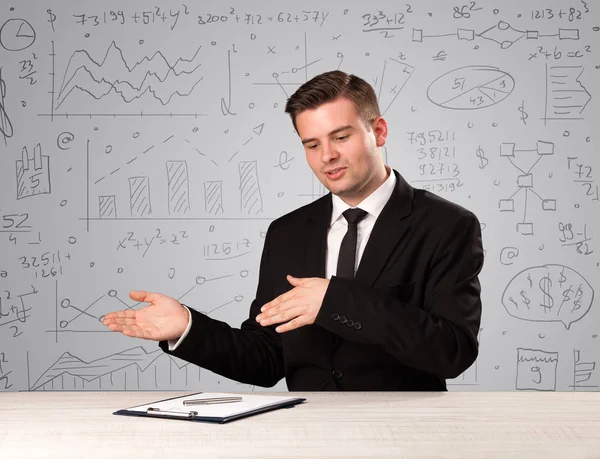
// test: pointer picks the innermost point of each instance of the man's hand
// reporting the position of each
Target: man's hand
(165, 318)
(298, 307)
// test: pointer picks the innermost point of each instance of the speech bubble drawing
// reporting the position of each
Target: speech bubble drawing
(549, 293)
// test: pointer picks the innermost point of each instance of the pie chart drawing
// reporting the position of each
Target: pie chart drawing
(16, 35)
(471, 88)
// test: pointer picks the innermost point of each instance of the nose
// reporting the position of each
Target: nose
(329, 152)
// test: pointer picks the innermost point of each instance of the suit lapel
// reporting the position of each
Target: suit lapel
(387, 232)
(317, 226)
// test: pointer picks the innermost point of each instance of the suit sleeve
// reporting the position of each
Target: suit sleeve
(440, 337)
(251, 354)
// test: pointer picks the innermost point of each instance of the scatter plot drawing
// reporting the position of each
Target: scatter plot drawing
(549, 293)
(470, 88)
(525, 180)
(536, 370)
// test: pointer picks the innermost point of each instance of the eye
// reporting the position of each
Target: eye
(342, 137)
(313, 146)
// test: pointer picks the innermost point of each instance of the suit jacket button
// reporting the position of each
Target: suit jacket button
(337, 374)
(335, 316)
(350, 322)
(342, 319)
(357, 326)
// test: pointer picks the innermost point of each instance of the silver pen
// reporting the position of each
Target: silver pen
(211, 400)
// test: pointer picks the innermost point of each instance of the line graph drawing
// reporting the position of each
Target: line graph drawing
(470, 88)
(525, 182)
(153, 76)
(501, 33)
(566, 96)
(131, 369)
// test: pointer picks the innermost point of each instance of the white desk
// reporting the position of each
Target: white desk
(350, 425)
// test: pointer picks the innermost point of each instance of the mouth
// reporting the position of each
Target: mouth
(335, 173)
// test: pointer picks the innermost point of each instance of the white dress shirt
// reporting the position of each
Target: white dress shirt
(372, 204)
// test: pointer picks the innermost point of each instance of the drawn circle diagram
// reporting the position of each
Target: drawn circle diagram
(16, 35)
(471, 88)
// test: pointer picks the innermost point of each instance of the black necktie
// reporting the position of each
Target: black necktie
(347, 258)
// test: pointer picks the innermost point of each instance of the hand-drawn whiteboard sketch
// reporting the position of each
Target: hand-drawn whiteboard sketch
(33, 174)
(471, 88)
(16, 35)
(148, 148)
(536, 370)
(549, 293)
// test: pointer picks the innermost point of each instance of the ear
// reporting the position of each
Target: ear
(380, 129)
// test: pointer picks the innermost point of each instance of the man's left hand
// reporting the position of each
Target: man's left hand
(297, 307)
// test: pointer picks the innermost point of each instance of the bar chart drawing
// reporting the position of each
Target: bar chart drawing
(107, 206)
(213, 197)
(139, 196)
(33, 174)
(179, 189)
(250, 197)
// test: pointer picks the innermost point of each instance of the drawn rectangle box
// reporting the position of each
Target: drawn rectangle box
(466, 34)
(506, 205)
(526, 229)
(417, 35)
(568, 34)
(107, 206)
(549, 204)
(507, 149)
(533, 35)
(545, 148)
(525, 181)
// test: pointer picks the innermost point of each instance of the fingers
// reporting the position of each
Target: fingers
(133, 331)
(141, 295)
(113, 317)
(280, 299)
(292, 324)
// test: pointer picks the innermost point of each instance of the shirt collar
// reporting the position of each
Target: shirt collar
(373, 203)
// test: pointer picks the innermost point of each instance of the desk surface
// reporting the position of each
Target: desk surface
(330, 424)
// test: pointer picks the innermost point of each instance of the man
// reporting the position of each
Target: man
(396, 309)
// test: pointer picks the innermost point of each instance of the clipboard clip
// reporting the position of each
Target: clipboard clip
(182, 414)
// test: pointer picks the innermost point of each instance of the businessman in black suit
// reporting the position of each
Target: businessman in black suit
(371, 287)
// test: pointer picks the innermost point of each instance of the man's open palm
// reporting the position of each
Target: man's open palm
(163, 319)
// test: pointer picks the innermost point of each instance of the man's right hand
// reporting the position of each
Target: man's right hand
(163, 319)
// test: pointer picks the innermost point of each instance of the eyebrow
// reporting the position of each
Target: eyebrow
(335, 131)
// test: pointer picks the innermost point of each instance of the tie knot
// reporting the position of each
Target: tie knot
(354, 215)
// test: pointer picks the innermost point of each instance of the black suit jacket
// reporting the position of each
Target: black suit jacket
(408, 321)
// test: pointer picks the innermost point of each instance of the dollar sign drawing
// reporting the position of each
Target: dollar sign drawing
(562, 277)
(524, 114)
(482, 159)
(525, 299)
(52, 18)
(566, 295)
(547, 300)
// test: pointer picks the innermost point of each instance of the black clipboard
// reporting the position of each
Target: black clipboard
(194, 413)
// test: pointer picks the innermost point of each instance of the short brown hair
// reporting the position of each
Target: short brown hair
(327, 87)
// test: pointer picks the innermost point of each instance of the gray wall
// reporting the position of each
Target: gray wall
(147, 148)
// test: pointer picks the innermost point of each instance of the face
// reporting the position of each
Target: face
(342, 151)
